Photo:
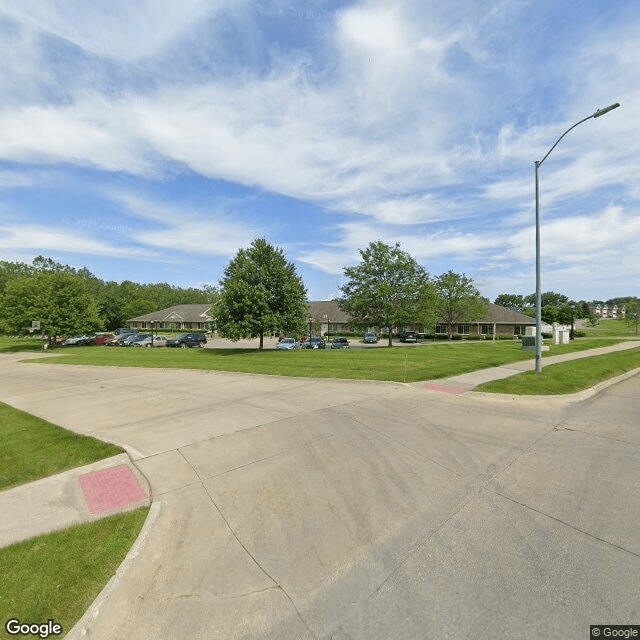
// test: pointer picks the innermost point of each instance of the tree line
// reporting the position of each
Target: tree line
(261, 293)
(68, 301)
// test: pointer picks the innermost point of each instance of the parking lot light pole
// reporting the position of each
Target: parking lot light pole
(597, 114)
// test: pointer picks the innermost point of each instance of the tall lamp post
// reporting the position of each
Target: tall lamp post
(597, 114)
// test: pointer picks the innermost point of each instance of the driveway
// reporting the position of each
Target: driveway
(315, 509)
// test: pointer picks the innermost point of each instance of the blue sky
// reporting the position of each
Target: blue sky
(150, 140)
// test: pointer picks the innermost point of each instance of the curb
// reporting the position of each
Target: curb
(569, 398)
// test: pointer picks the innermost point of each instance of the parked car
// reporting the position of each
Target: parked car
(408, 336)
(126, 340)
(314, 342)
(123, 331)
(340, 343)
(103, 338)
(288, 344)
(86, 341)
(188, 340)
(158, 341)
(370, 338)
(74, 341)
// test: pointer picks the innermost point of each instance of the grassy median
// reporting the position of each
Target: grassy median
(57, 576)
(566, 377)
(31, 448)
(426, 361)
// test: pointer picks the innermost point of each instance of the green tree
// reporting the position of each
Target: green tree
(11, 270)
(546, 298)
(459, 299)
(59, 300)
(510, 301)
(260, 293)
(549, 313)
(385, 289)
(633, 313)
(593, 320)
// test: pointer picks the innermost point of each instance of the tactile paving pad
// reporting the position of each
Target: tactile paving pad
(110, 489)
(439, 387)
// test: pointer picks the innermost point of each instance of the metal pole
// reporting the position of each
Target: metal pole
(538, 287)
(597, 114)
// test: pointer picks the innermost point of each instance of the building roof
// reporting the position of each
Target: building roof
(497, 314)
(328, 311)
(322, 310)
(178, 313)
(502, 315)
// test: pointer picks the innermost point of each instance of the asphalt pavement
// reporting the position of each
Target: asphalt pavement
(314, 509)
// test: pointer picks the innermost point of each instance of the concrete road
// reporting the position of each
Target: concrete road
(317, 509)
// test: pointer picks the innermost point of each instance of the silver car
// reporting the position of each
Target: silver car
(288, 343)
(158, 341)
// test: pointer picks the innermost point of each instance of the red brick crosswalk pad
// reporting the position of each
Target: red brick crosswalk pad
(110, 489)
(439, 387)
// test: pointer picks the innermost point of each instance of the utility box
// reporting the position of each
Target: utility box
(562, 336)
(528, 343)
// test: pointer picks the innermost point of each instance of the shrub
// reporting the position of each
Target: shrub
(456, 336)
(504, 336)
(441, 336)
(474, 336)
(578, 333)
(545, 334)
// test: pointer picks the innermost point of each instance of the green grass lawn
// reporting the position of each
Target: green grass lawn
(57, 576)
(610, 327)
(31, 448)
(14, 345)
(566, 377)
(401, 364)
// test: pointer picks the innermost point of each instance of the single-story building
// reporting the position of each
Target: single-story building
(499, 320)
(327, 317)
(181, 316)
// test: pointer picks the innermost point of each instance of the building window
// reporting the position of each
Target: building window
(441, 328)
(487, 329)
(519, 330)
(463, 329)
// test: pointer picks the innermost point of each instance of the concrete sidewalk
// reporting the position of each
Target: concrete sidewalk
(468, 381)
(72, 497)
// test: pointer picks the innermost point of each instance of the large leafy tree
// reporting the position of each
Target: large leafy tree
(460, 301)
(260, 292)
(633, 313)
(510, 301)
(386, 289)
(59, 300)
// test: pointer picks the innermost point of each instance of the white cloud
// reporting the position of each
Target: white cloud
(188, 230)
(115, 28)
(45, 238)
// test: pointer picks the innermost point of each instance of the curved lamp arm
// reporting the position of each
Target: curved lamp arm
(597, 114)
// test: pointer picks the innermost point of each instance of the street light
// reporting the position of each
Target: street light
(597, 114)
